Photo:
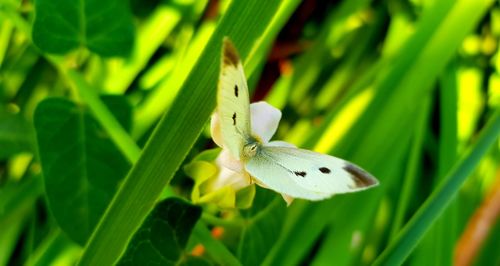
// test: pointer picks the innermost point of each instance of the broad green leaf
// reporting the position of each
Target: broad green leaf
(81, 166)
(262, 227)
(16, 134)
(162, 238)
(104, 27)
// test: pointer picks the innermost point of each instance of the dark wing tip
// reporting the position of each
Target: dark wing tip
(361, 178)
(229, 54)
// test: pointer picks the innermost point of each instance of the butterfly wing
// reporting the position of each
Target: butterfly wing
(306, 174)
(233, 101)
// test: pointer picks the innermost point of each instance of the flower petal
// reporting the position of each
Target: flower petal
(230, 178)
(227, 160)
(265, 119)
(215, 130)
(224, 198)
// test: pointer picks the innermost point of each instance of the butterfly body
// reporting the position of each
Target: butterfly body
(251, 148)
(276, 165)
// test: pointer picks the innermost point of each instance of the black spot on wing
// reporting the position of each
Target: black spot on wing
(234, 119)
(360, 177)
(229, 54)
(300, 173)
(325, 170)
(236, 90)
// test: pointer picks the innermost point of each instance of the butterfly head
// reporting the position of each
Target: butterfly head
(251, 148)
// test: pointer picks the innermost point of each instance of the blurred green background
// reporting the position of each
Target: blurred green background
(104, 131)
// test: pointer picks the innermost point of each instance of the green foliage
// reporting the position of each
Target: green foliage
(261, 227)
(163, 236)
(406, 89)
(82, 167)
(104, 27)
(16, 134)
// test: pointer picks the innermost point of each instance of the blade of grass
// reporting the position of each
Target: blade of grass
(437, 247)
(415, 229)
(175, 134)
(414, 162)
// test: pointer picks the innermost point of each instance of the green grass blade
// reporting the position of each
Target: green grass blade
(436, 248)
(175, 134)
(414, 162)
(437, 202)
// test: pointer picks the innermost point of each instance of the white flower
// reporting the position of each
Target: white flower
(264, 121)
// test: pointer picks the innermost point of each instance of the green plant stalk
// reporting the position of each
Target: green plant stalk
(175, 134)
(415, 229)
(214, 248)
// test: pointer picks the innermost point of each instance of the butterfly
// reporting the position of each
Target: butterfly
(277, 165)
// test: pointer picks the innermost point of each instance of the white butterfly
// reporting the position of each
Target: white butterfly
(277, 165)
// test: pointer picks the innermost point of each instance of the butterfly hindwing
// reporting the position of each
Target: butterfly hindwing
(233, 100)
(306, 174)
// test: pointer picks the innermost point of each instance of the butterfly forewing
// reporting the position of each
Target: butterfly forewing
(306, 174)
(233, 100)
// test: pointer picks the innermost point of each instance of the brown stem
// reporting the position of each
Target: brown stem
(478, 227)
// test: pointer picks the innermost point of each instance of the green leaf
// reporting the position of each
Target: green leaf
(16, 134)
(262, 227)
(163, 236)
(104, 27)
(81, 166)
